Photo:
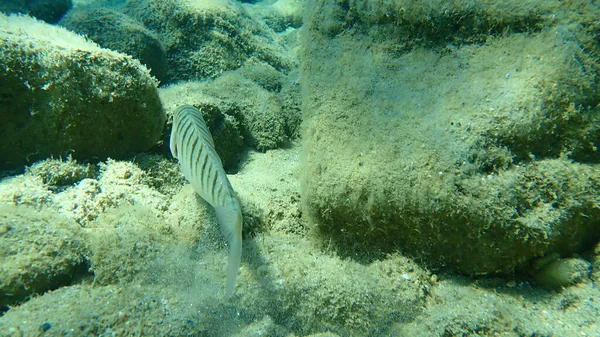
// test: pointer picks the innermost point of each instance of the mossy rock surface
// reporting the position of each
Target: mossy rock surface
(62, 94)
(206, 38)
(47, 10)
(263, 121)
(39, 251)
(240, 111)
(113, 30)
(473, 148)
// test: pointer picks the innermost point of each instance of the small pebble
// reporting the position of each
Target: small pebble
(45, 327)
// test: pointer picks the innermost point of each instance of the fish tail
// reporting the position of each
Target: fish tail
(233, 264)
(230, 221)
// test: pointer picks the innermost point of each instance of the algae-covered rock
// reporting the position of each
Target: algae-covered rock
(97, 3)
(283, 14)
(122, 242)
(279, 15)
(271, 197)
(47, 10)
(263, 120)
(264, 75)
(120, 184)
(189, 218)
(556, 272)
(291, 103)
(162, 174)
(255, 106)
(265, 326)
(27, 190)
(57, 174)
(463, 133)
(205, 38)
(310, 291)
(494, 308)
(62, 94)
(120, 310)
(113, 30)
(39, 251)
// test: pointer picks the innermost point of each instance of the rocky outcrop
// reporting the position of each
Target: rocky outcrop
(62, 94)
(455, 132)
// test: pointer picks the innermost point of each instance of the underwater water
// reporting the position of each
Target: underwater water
(404, 168)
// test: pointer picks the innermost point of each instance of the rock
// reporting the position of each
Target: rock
(486, 307)
(120, 184)
(76, 310)
(39, 251)
(324, 334)
(254, 106)
(556, 272)
(271, 197)
(119, 232)
(162, 173)
(281, 14)
(291, 104)
(206, 38)
(65, 95)
(264, 75)
(263, 121)
(316, 292)
(470, 144)
(47, 10)
(58, 174)
(113, 30)
(26, 190)
(263, 327)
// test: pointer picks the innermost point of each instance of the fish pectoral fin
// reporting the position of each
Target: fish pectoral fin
(173, 144)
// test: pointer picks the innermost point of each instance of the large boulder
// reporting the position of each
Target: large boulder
(62, 94)
(462, 133)
(39, 250)
(266, 120)
(280, 15)
(252, 106)
(206, 38)
(47, 10)
(114, 30)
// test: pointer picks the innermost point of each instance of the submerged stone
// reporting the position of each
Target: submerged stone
(468, 143)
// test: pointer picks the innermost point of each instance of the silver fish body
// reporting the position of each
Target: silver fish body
(192, 144)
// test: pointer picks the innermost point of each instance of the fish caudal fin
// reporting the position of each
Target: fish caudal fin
(230, 221)
(233, 265)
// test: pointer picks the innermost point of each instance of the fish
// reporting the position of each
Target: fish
(193, 146)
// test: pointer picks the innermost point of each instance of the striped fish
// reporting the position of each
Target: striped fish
(192, 144)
